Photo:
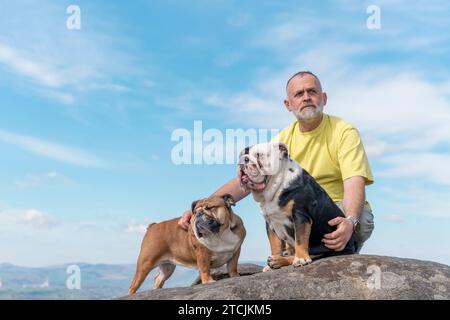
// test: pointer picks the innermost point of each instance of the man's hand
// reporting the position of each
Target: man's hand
(231, 187)
(338, 239)
(185, 219)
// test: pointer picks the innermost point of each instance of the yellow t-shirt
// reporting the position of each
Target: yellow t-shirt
(330, 153)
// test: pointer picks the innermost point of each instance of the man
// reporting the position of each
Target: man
(332, 152)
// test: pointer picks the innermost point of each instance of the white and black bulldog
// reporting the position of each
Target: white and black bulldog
(294, 205)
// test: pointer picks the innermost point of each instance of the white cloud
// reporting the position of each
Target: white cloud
(62, 97)
(418, 199)
(428, 166)
(403, 105)
(375, 147)
(33, 181)
(62, 64)
(134, 227)
(38, 72)
(295, 30)
(33, 218)
(110, 87)
(284, 33)
(39, 238)
(38, 219)
(51, 150)
(252, 110)
(393, 218)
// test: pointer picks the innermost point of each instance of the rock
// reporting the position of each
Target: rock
(340, 277)
(245, 269)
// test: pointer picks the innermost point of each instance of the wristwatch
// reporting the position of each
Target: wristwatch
(356, 224)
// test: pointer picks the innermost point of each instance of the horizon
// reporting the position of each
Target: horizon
(94, 264)
(178, 265)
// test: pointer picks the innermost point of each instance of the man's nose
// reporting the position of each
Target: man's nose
(306, 96)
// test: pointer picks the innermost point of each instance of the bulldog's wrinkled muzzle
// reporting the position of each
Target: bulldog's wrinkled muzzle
(244, 178)
(206, 224)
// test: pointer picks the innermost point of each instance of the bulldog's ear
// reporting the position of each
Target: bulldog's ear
(229, 201)
(283, 149)
(193, 205)
(245, 151)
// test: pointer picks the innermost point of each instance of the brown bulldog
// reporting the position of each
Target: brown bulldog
(213, 239)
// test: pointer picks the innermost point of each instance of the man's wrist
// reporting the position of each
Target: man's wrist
(355, 222)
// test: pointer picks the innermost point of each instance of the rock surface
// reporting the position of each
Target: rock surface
(341, 277)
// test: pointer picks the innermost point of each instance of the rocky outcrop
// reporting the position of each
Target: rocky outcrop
(341, 277)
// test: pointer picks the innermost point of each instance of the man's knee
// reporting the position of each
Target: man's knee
(366, 229)
(367, 225)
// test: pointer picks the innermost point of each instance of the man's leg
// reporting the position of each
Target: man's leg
(367, 226)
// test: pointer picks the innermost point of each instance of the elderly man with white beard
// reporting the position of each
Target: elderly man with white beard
(331, 151)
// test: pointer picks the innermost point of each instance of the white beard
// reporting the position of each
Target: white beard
(308, 114)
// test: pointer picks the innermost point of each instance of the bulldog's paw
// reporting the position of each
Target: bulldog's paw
(266, 268)
(298, 262)
(234, 275)
(210, 281)
(276, 262)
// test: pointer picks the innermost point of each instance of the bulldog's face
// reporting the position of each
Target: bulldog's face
(259, 162)
(211, 215)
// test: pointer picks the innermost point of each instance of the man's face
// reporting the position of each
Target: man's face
(305, 98)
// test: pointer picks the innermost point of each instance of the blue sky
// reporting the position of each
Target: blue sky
(86, 116)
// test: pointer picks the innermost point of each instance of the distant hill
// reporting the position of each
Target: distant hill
(98, 281)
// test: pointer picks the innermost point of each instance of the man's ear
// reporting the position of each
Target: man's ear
(325, 99)
(193, 205)
(228, 199)
(286, 104)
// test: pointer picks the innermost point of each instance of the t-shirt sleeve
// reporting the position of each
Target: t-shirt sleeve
(352, 156)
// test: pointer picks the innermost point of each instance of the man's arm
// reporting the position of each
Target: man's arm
(353, 203)
(354, 196)
(231, 187)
